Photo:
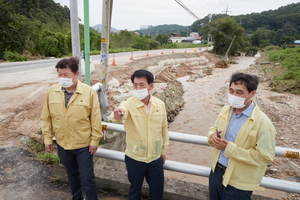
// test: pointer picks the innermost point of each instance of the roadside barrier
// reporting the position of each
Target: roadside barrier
(114, 61)
(267, 182)
(131, 58)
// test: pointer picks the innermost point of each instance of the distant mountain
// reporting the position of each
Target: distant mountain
(98, 28)
(165, 29)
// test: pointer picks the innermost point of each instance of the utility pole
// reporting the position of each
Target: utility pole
(226, 10)
(75, 33)
(187, 32)
(209, 35)
(241, 23)
(226, 58)
(106, 23)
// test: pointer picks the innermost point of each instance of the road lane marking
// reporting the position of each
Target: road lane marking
(34, 92)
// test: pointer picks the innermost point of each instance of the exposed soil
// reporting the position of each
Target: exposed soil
(22, 100)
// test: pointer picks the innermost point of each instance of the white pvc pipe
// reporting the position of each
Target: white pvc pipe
(272, 183)
(202, 140)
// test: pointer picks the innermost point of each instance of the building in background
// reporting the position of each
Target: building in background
(193, 38)
(142, 27)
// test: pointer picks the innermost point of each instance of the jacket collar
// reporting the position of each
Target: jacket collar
(139, 103)
(252, 116)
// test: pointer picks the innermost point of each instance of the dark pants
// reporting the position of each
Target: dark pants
(154, 174)
(79, 167)
(217, 191)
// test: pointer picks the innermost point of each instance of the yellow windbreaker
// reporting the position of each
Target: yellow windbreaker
(251, 152)
(146, 134)
(79, 125)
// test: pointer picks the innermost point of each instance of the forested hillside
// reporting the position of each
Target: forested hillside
(42, 27)
(45, 11)
(33, 26)
(278, 27)
(165, 29)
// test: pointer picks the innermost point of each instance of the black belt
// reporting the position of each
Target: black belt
(221, 167)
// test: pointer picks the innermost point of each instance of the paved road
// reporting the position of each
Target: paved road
(12, 67)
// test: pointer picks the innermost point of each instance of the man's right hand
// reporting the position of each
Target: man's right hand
(119, 113)
(49, 148)
(215, 134)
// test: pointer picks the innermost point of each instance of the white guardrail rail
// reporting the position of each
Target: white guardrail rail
(267, 182)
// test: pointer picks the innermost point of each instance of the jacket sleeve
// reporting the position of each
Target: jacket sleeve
(212, 130)
(264, 151)
(96, 120)
(46, 122)
(165, 135)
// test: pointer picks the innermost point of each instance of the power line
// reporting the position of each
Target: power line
(186, 8)
(196, 17)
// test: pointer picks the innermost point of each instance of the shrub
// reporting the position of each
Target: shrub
(251, 51)
(13, 57)
(35, 145)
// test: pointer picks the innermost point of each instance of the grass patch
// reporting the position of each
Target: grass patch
(283, 73)
(35, 145)
(49, 158)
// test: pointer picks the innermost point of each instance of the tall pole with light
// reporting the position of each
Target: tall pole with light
(75, 32)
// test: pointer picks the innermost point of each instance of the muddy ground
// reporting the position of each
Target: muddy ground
(21, 104)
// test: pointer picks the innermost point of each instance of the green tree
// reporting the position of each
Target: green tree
(288, 40)
(53, 44)
(123, 39)
(289, 29)
(142, 43)
(95, 38)
(163, 39)
(263, 37)
(13, 30)
(222, 31)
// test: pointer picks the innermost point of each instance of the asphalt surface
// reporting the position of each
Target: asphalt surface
(22, 177)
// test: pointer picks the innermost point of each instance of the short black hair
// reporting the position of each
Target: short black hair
(250, 81)
(143, 73)
(72, 63)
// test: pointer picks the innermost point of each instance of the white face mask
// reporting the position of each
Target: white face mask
(236, 102)
(141, 94)
(65, 82)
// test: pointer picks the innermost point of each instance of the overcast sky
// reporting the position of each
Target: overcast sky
(131, 14)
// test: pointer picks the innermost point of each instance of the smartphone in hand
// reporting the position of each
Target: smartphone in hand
(218, 134)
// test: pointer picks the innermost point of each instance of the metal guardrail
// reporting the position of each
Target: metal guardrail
(272, 183)
(202, 140)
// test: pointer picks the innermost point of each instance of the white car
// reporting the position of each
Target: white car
(196, 42)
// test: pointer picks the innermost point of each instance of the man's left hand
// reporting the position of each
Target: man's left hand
(219, 143)
(93, 149)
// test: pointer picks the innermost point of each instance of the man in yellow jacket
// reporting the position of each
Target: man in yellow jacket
(244, 143)
(72, 112)
(145, 122)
